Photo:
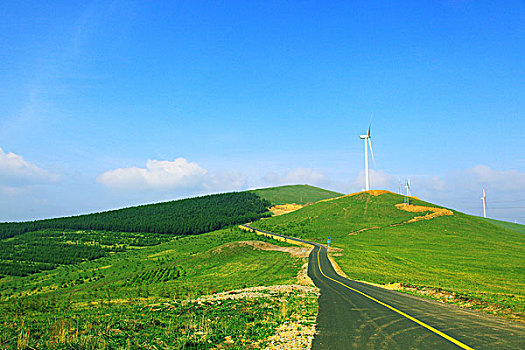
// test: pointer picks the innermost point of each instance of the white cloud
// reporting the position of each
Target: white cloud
(170, 175)
(296, 176)
(505, 180)
(16, 172)
(157, 175)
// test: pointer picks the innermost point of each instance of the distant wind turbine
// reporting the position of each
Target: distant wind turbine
(484, 200)
(368, 143)
(407, 187)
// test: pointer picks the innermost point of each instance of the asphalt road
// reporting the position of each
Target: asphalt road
(355, 315)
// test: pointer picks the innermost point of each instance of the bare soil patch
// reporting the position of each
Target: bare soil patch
(258, 245)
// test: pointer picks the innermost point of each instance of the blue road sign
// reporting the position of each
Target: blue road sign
(328, 240)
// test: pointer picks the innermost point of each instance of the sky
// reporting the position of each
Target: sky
(108, 104)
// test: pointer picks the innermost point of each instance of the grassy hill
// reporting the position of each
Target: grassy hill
(30, 247)
(471, 259)
(181, 217)
(133, 278)
(98, 287)
(147, 298)
(298, 194)
(508, 225)
(45, 244)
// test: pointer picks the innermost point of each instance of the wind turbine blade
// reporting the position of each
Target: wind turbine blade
(372, 152)
(369, 126)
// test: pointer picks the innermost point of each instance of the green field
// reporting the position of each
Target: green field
(298, 194)
(508, 225)
(143, 296)
(100, 288)
(482, 263)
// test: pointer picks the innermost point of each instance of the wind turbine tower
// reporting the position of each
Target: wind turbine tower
(368, 143)
(484, 200)
(407, 187)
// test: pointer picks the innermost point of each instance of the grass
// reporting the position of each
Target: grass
(103, 303)
(298, 194)
(45, 249)
(232, 324)
(480, 262)
(508, 225)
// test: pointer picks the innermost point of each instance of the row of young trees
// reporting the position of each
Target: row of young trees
(182, 217)
(47, 251)
(23, 268)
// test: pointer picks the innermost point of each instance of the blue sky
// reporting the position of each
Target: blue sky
(111, 104)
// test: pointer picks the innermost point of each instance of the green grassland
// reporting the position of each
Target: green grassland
(508, 225)
(141, 297)
(81, 283)
(31, 247)
(230, 324)
(47, 249)
(298, 194)
(480, 262)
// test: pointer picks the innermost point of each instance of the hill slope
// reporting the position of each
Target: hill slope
(383, 244)
(81, 282)
(298, 194)
(45, 244)
(181, 217)
(508, 225)
(143, 298)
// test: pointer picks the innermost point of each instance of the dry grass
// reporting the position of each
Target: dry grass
(457, 299)
(434, 212)
(255, 292)
(284, 208)
(296, 332)
(293, 335)
(302, 276)
(336, 266)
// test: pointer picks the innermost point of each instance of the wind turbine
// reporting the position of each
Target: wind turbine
(368, 143)
(407, 187)
(484, 200)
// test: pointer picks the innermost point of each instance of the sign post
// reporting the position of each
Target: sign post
(328, 240)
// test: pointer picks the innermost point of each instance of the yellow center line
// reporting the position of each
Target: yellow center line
(438, 332)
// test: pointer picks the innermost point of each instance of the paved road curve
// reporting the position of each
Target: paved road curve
(355, 315)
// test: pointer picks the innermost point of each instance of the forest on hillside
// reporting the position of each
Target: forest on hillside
(182, 217)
